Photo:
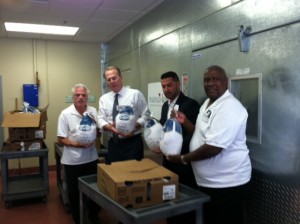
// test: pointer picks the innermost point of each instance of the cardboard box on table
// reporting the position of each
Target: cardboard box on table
(136, 184)
(25, 126)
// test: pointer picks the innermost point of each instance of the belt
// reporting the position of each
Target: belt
(126, 139)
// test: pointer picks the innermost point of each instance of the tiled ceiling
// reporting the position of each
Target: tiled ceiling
(98, 20)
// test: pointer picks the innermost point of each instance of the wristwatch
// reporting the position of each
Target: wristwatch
(182, 160)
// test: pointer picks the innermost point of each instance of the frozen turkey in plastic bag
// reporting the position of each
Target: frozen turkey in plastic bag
(171, 139)
(125, 120)
(152, 134)
(86, 131)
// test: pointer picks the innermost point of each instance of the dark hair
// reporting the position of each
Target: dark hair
(170, 74)
(112, 67)
(216, 68)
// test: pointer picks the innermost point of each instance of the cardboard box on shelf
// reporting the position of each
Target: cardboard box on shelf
(25, 126)
(137, 183)
(26, 134)
(18, 119)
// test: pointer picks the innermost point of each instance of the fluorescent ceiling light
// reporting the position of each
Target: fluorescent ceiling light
(38, 28)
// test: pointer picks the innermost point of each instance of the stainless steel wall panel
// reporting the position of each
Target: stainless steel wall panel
(180, 14)
(157, 57)
(260, 15)
(273, 201)
(149, 28)
(120, 45)
(187, 36)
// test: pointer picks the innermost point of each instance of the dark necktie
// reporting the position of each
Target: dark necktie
(114, 114)
(115, 110)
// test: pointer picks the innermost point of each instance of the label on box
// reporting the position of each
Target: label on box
(169, 192)
(39, 134)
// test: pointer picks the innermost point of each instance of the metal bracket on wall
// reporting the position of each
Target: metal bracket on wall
(244, 38)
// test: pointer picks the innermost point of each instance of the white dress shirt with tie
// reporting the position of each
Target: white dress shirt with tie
(171, 106)
(130, 97)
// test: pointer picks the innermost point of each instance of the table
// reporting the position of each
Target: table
(188, 200)
(16, 187)
(60, 180)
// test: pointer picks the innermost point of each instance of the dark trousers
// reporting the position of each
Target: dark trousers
(227, 205)
(125, 149)
(72, 172)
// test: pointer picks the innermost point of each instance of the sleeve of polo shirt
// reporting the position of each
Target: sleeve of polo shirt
(62, 126)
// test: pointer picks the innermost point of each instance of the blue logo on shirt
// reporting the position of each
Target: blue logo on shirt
(86, 123)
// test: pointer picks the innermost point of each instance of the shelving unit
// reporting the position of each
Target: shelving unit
(16, 187)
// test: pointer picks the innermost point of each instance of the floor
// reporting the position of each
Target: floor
(34, 211)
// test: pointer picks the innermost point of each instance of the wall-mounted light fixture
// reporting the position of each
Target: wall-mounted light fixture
(244, 38)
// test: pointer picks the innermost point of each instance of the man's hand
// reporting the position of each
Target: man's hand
(179, 116)
(68, 142)
(184, 121)
(138, 126)
(83, 145)
(111, 127)
(157, 151)
(174, 158)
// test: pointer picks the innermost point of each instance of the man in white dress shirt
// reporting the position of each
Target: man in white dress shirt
(123, 146)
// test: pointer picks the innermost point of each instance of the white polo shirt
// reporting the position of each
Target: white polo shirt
(68, 121)
(222, 124)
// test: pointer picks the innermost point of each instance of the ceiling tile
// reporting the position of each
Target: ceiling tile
(98, 20)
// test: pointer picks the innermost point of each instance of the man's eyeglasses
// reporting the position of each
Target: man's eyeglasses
(78, 95)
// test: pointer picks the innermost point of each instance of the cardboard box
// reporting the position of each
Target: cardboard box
(17, 119)
(25, 126)
(26, 134)
(136, 184)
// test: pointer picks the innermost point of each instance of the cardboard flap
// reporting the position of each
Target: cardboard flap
(132, 170)
(21, 120)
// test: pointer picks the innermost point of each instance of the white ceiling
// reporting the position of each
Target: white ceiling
(98, 20)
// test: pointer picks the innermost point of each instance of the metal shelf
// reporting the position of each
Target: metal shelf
(188, 200)
(17, 187)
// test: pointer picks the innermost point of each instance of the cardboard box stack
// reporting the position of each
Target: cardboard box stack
(23, 127)
(137, 183)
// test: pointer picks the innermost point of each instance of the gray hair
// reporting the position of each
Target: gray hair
(80, 85)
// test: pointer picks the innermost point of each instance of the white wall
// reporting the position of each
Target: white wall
(60, 65)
